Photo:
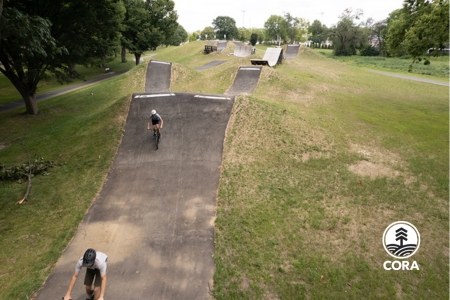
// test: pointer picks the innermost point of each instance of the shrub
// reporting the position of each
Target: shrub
(369, 51)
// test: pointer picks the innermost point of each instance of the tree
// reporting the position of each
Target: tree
(195, 35)
(276, 28)
(346, 35)
(244, 34)
(379, 36)
(318, 32)
(253, 39)
(419, 26)
(207, 31)
(147, 25)
(296, 28)
(39, 38)
(180, 36)
(225, 26)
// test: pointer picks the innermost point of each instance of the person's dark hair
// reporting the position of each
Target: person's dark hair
(89, 257)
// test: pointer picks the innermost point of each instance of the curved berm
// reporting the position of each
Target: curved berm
(154, 217)
(291, 51)
(157, 78)
(245, 81)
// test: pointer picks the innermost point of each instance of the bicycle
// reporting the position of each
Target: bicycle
(157, 136)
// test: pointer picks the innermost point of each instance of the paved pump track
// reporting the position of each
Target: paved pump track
(158, 76)
(245, 81)
(154, 216)
(211, 64)
(291, 51)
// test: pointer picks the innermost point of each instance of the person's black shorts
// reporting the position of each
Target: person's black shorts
(155, 122)
(89, 278)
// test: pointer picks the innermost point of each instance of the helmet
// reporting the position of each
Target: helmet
(89, 257)
(153, 112)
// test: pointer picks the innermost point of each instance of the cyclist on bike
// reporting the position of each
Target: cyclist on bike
(95, 263)
(156, 120)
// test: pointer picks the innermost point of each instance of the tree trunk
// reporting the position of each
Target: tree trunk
(124, 54)
(31, 104)
(72, 67)
(137, 57)
(27, 91)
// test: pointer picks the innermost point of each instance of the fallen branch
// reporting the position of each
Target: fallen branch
(25, 198)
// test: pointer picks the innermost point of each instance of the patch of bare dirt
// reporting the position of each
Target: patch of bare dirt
(379, 162)
(367, 168)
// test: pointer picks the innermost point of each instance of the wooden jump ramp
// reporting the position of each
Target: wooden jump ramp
(272, 57)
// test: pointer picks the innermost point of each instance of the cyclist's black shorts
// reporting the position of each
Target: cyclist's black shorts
(155, 122)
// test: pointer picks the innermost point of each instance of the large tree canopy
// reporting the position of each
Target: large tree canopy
(225, 28)
(318, 32)
(180, 36)
(208, 31)
(276, 28)
(347, 36)
(296, 28)
(147, 25)
(42, 37)
(418, 26)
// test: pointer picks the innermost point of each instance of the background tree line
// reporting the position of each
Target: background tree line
(418, 29)
(40, 39)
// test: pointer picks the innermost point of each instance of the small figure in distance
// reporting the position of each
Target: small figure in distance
(95, 263)
(156, 120)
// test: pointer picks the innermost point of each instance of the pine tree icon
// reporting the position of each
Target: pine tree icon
(402, 235)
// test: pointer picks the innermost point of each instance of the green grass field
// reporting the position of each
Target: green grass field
(317, 162)
(438, 69)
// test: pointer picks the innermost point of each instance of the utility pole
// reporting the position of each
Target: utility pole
(243, 19)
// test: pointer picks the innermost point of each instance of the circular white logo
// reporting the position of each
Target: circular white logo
(401, 239)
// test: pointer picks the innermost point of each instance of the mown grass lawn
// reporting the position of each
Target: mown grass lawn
(437, 69)
(317, 162)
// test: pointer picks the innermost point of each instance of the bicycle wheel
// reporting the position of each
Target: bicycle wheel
(156, 140)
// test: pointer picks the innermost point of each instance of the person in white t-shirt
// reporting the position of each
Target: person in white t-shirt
(95, 263)
(157, 122)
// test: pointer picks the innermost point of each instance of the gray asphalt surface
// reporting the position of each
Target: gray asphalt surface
(154, 217)
(221, 45)
(245, 81)
(412, 78)
(211, 64)
(291, 51)
(158, 76)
